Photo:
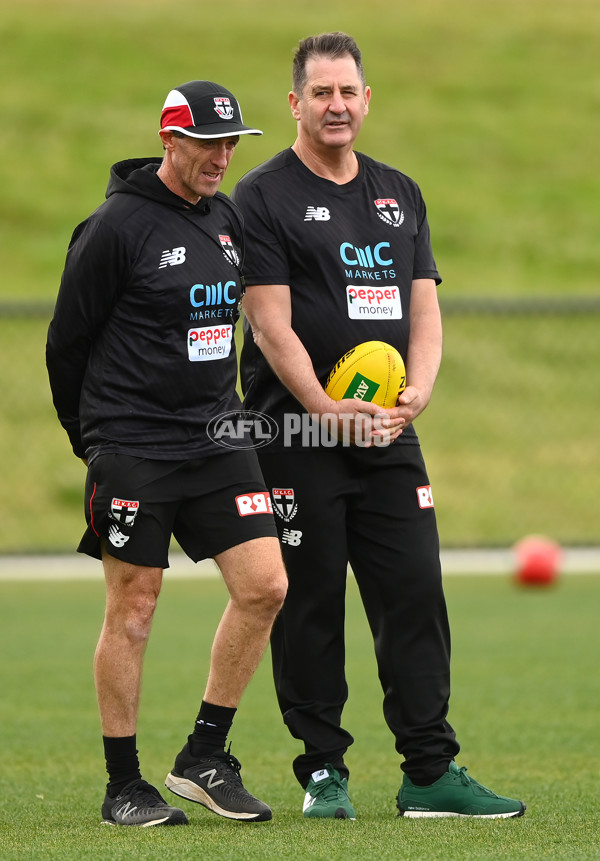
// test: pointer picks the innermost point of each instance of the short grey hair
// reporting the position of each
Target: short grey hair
(332, 45)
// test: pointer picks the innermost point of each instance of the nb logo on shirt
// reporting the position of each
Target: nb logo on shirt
(317, 213)
(172, 258)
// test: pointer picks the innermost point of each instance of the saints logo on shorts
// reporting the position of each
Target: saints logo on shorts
(124, 510)
(284, 503)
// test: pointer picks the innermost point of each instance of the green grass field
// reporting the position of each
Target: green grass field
(524, 703)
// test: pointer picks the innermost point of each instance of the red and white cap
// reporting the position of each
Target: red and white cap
(203, 109)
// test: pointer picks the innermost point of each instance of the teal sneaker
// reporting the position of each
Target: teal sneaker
(327, 796)
(455, 794)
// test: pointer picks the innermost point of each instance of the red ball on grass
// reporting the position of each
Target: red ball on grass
(537, 561)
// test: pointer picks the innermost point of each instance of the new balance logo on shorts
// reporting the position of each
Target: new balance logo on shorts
(116, 537)
(172, 258)
(293, 537)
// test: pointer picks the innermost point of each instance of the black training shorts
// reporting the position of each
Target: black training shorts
(210, 504)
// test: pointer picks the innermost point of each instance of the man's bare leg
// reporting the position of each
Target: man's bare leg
(255, 577)
(131, 595)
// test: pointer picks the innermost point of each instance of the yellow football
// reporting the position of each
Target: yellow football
(373, 371)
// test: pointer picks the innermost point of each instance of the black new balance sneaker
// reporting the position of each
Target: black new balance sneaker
(140, 804)
(214, 781)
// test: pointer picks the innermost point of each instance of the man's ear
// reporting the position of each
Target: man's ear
(166, 137)
(294, 105)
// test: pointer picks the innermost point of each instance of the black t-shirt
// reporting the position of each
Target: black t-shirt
(349, 254)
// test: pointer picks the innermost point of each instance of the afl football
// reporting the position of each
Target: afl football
(372, 371)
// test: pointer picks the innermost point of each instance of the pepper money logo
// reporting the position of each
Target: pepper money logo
(209, 343)
(242, 429)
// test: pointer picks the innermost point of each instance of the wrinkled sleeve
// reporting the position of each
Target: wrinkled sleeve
(424, 263)
(95, 273)
(265, 259)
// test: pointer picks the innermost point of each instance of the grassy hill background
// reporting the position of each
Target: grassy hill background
(491, 105)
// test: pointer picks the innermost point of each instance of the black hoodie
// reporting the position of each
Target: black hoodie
(140, 351)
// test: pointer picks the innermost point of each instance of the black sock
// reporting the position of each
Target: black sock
(211, 728)
(122, 763)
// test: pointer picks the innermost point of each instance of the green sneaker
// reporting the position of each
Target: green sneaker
(327, 796)
(455, 794)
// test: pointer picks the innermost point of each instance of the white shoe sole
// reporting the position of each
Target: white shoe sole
(429, 814)
(190, 790)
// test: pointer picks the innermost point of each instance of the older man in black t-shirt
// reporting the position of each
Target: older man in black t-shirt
(338, 253)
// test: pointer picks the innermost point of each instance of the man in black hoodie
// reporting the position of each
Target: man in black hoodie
(142, 366)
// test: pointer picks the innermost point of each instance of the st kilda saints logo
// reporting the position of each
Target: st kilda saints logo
(124, 510)
(230, 253)
(389, 211)
(223, 107)
(283, 502)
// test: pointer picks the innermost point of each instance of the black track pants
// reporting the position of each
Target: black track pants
(371, 508)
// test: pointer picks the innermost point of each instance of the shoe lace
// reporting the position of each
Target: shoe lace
(464, 777)
(144, 793)
(227, 760)
(466, 780)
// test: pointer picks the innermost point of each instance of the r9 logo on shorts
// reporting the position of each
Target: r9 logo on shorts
(254, 503)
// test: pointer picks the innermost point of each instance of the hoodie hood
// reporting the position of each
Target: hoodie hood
(139, 176)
